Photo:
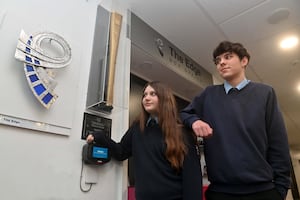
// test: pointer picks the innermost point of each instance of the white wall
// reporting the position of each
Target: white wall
(45, 166)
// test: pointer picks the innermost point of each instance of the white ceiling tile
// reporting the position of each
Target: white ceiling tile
(229, 8)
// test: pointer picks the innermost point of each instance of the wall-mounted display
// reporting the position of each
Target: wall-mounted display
(38, 63)
(94, 123)
(102, 69)
(44, 56)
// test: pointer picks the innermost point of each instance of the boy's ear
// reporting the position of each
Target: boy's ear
(244, 61)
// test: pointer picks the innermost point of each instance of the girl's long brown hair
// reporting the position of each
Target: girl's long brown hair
(169, 122)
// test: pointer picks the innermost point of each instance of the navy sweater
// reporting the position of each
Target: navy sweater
(248, 151)
(154, 176)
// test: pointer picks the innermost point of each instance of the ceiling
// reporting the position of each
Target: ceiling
(197, 26)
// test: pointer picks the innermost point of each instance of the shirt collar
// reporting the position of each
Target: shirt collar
(151, 118)
(240, 86)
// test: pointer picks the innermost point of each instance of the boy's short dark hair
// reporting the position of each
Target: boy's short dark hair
(227, 46)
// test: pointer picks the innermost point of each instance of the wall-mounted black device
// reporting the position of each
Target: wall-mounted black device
(95, 154)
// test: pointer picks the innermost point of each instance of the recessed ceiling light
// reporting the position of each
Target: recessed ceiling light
(298, 88)
(289, 42)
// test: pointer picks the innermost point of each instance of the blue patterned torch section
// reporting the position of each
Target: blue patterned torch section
(39, 64)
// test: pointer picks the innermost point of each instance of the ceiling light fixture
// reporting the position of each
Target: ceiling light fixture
(289, 42)
(278, 15)
(298, 88)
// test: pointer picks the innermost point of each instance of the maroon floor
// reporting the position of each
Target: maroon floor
(131, 195)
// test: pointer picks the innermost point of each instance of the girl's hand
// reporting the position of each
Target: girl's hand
(90, 138)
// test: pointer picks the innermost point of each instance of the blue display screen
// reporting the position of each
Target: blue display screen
(100, 152)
